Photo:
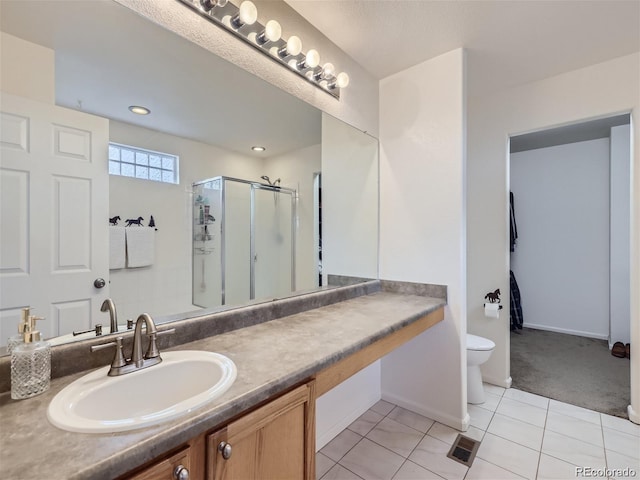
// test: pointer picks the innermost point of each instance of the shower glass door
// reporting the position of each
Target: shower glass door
(272, 246)
(236, 237)
(243, 241)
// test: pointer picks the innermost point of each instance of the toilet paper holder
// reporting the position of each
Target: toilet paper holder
(493, 303)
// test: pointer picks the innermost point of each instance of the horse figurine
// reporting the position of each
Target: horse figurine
(114, 220)
(136, 221)
(493, 297)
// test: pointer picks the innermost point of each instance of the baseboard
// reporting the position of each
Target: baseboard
(461, 424)
(499, 382)
(325, 437)
(633, 415)
(578, 333)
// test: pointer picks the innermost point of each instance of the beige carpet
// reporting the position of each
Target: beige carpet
(576, 370)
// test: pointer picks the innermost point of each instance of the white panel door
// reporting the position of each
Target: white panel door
(54, 189)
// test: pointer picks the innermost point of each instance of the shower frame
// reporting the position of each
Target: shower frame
(252, 251)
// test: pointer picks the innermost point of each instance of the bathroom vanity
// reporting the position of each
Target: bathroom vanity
(264, 423)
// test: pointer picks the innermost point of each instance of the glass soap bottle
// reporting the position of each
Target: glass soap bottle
(30, 363)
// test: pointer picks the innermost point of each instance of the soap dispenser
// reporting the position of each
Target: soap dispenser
(30, 363)
(19, 337)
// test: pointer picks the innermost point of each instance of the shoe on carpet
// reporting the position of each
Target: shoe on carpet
(619, 350)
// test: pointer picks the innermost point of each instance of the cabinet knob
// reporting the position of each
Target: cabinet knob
(225, 449)
(181, 473)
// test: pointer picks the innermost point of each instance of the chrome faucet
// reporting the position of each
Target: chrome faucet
(120, 365)
(152, 354)
(109, 306)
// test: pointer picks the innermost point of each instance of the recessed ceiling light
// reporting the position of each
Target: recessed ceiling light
(258, 149)
(139, 110)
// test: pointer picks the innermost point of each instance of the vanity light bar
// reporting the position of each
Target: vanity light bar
(242, 22)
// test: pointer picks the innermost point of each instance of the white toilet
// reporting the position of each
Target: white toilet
(478, 351)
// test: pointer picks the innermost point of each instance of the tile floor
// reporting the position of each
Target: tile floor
(523, 436)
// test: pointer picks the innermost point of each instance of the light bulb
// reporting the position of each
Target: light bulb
(293, 47)
(310, 60)
(342, 80)
(247, 14)
(313, 58)
(328, 70)
(271, 33)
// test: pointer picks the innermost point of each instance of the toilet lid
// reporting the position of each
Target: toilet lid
(475, 342)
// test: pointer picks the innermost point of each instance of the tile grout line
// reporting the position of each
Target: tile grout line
(544, 431)
(604, 445)
(485, 430)
(490, 433)
(365, 436)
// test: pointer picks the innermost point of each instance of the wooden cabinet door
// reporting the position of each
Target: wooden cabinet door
(166, 469)
(274, 442)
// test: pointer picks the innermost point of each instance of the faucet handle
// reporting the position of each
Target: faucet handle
(118, 359)
(152, 350)
(97, 329)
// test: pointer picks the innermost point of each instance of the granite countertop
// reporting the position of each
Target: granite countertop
(270, 358)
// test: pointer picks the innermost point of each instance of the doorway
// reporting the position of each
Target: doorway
(570, 261)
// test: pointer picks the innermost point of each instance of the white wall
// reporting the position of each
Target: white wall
(342, 405)
(595, 91)
(349, 201)
(561, 259)
(27, 70)
(422, 196)
(620, 313)
(165, 287)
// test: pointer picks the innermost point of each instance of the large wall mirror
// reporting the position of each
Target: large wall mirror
(74, 158)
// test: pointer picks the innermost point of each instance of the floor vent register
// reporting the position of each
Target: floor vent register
(464, 450)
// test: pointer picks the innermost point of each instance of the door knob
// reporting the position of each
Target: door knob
(99, 283)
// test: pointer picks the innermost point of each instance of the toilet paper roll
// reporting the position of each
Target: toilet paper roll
(492, 310)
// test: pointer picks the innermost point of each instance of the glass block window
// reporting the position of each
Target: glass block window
(136, 162)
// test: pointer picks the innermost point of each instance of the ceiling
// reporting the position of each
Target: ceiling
(206, 98)
(508, 42)
(107, 58)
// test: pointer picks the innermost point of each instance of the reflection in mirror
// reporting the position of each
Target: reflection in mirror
(243, 242)
(86, 64)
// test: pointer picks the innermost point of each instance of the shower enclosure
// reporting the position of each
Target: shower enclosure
(243, 241)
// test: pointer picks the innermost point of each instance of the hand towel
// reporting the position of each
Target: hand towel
(141, 248)
(116, 247)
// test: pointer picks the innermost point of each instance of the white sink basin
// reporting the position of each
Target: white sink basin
(182, 382)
